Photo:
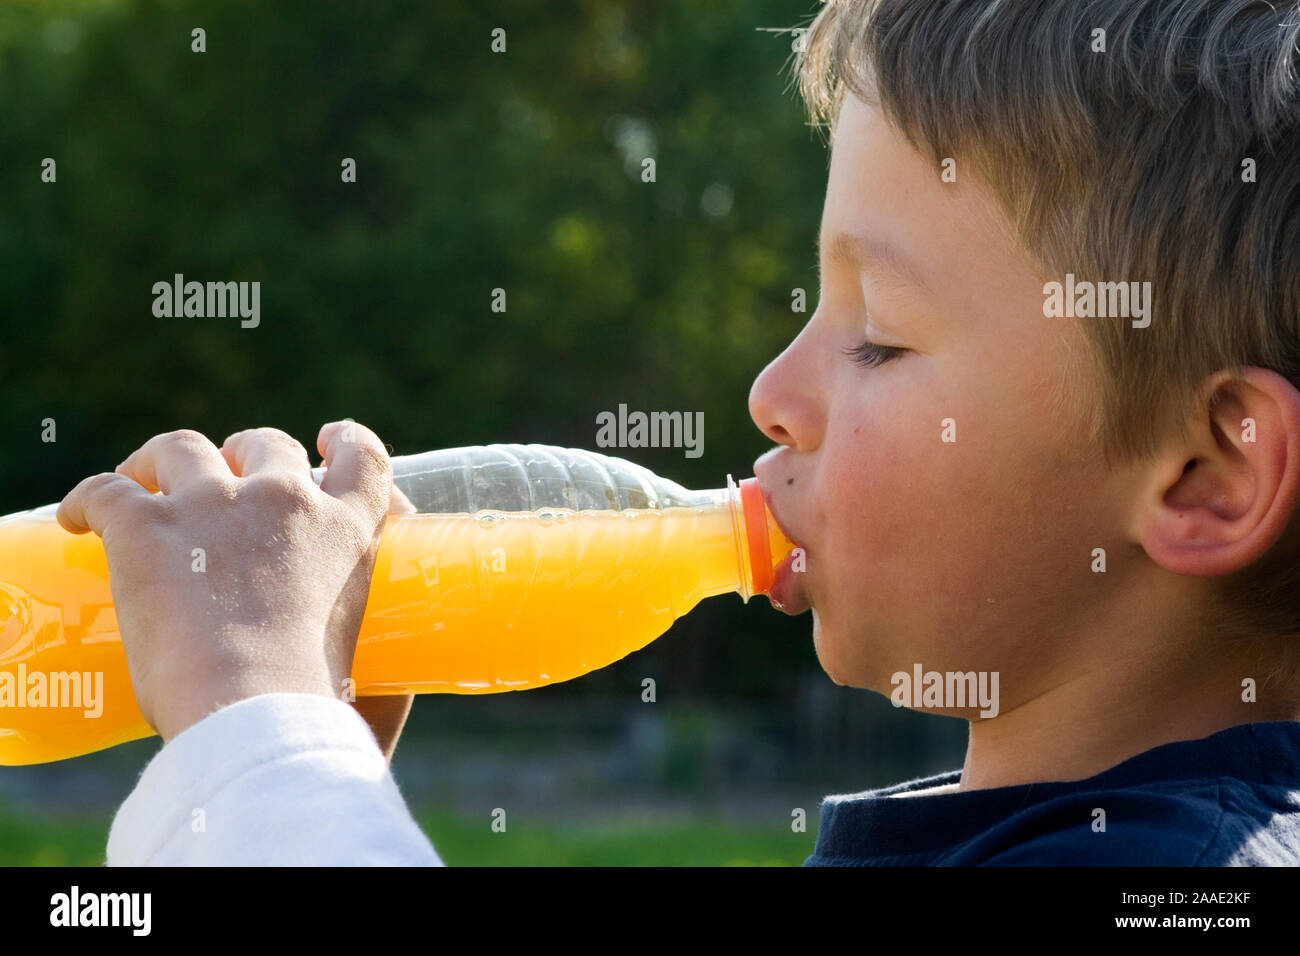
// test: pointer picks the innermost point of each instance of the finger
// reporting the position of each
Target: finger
(97, 500)
(174, 461)
(265, 449)
(357, 468)
(399, 504)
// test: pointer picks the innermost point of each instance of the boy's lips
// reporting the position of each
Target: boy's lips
(787, 592)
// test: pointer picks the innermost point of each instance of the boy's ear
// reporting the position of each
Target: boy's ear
(1223, 496)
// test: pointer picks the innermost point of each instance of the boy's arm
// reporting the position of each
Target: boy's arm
(273, 780)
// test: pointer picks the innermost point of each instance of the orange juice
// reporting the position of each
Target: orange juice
(459, 603)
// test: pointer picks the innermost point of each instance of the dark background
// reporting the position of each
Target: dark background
(475, 170)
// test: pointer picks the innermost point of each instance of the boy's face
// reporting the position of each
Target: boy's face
(973, 553)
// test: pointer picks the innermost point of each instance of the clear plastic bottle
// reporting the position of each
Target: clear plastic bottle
(523, 566)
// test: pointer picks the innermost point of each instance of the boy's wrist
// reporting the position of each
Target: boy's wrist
(192, 704)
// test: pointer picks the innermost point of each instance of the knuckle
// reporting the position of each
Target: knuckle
(97, 483)
(379, 453)
(108, 489)
(153, 513)
(274, 436)
(287, 441)
(280, 490)
(184, 436)
(103, 484)
(208, 495)
(267, 433)
(368, 444)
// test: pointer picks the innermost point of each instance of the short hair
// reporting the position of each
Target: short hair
(1126, 140)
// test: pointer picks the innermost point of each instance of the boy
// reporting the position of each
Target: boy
(1042, 428)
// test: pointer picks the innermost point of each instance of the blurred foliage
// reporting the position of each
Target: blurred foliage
(476, 170)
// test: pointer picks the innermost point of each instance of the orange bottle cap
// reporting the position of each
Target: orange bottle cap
(760, 551)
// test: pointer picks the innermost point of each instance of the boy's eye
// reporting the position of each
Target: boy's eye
(869, 354)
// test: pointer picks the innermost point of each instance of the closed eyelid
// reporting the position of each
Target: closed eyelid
(871, 355)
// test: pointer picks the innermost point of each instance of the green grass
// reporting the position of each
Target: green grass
(49, 840)
(687, 842)
(45, 840)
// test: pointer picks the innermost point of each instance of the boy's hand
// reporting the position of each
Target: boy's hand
(387, 714)
(243, 577)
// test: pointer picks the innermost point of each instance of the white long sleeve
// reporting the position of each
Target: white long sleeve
(275, 780)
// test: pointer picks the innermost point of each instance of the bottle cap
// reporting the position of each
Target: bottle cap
(760, 550)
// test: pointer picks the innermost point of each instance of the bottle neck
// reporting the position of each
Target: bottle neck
(736, 506)
(749, 535)
(723, 540)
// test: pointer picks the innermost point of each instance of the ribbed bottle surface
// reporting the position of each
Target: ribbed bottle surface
(530, 478)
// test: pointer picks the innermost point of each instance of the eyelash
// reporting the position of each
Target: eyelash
(870, 355)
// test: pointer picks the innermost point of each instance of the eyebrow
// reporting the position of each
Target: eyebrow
(851, 250)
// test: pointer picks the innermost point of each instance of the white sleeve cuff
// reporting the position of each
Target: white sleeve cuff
(274, 780)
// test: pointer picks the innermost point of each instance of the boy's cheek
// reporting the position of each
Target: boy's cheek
(891, 464)
(944, 519)
(917, 531)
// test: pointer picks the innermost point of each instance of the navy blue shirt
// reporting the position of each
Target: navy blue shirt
(1230, 799)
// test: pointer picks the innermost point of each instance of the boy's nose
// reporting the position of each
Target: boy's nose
(783, 401)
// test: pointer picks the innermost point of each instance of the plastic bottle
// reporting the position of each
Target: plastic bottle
(525, 565)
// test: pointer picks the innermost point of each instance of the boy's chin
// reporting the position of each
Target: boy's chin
(846, 657)
(825, 647)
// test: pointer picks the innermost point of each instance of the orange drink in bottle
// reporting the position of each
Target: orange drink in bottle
(473, 601)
